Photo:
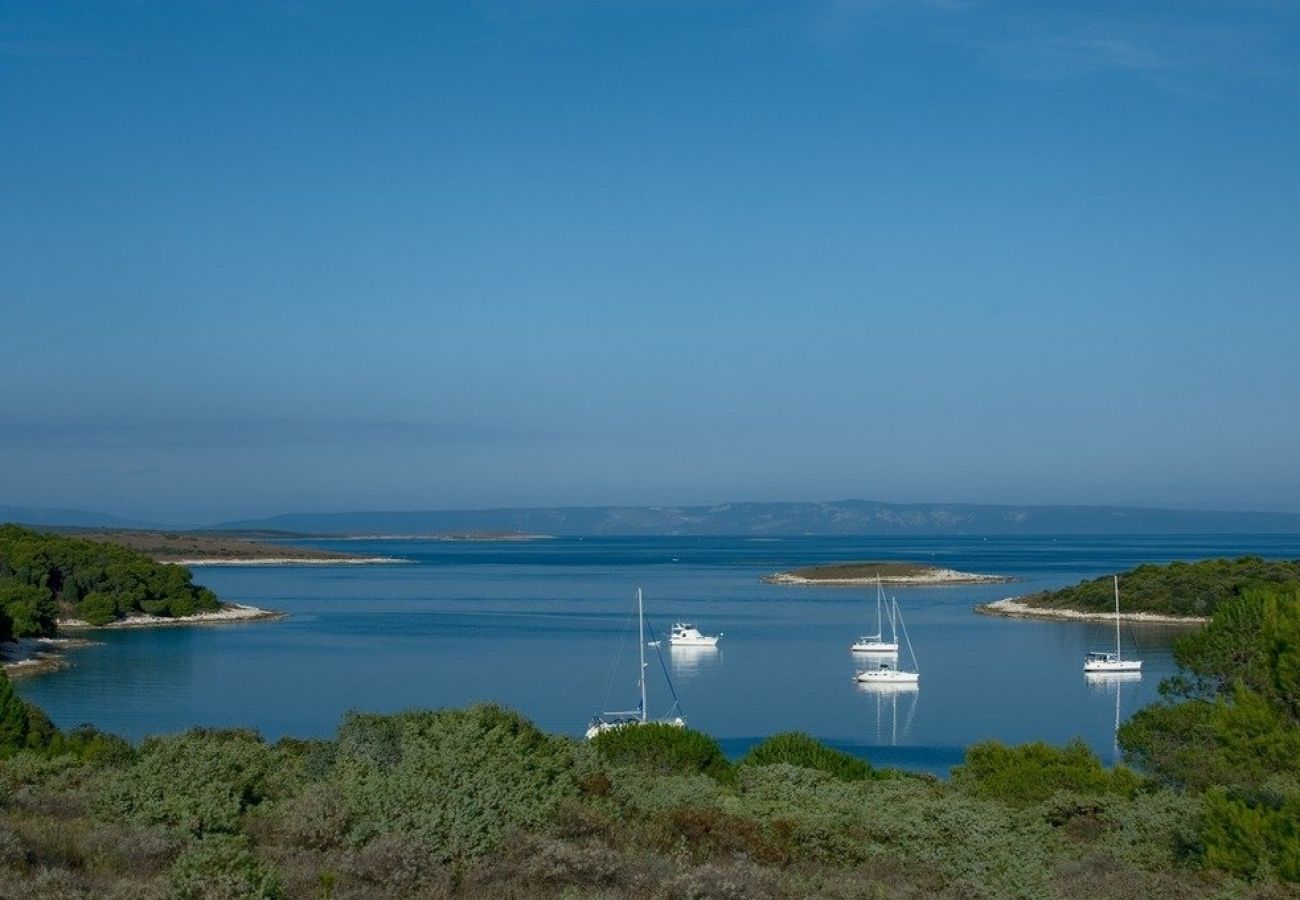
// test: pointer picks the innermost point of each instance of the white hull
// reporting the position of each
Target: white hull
(1106, 666)
(602, 727)
(890, 647)
(1100, 663)
(881, 676)
(703, 641)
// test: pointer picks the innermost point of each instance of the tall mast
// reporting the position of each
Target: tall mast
(640, 618)
(1117, 653)
(880, 591)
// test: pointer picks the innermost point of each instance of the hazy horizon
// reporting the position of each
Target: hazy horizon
(268, 258)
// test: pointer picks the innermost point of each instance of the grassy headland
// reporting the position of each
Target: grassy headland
(1178, 590)
(887, 572)
(479, 802)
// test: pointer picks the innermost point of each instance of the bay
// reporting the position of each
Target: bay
(538, 626)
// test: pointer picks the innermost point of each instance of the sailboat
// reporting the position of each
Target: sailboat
(607, 721)
(1099, 661)
(876, 643)
(889, 672)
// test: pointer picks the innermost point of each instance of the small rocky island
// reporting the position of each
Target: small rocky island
(856, 573)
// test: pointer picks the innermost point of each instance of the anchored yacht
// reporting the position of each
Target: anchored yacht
(684, 634)
(1102, 662)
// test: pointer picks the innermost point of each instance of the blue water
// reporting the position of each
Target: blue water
(538, 626)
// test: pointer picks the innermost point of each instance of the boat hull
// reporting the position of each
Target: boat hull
(875, 647)
(707, 641)
(879, 677)
(1106, 666)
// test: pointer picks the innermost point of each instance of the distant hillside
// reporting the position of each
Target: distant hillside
(837, 518)
(63, 518)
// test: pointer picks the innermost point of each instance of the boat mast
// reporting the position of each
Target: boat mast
(640, 618)
(1117, 653)
(880, 593)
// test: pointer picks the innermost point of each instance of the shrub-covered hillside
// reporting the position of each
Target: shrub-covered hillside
(479, 802)
(1178, 589)
(43, 576)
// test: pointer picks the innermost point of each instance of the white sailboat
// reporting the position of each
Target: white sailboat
(876, 643)
(1100, 662)
(889, 672)
(607, 721)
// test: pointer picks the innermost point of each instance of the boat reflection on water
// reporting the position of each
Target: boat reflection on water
(1107, 683)
(889, 696)
(689, 660)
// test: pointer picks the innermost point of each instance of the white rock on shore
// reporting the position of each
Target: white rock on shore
(287, 561)
(230, 612)
(1016, 608)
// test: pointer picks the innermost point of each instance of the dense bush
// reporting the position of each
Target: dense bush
(798, 749)
(22, 725)
(198, 782)
(223, 867)
(663, 749)
(455, 780)
(1031, 773)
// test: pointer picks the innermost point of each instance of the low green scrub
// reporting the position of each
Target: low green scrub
(1031, 773)
(454, 780)
(663, 750)
(199, 782)
(794, 748)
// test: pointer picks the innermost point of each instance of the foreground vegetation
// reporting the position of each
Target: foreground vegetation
(1177, 589)
(44, 577)
(479, 802)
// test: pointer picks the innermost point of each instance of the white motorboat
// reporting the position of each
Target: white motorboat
(1103, 662)
(888, 672)
(684, 634)
(608, 721)
(876, 643)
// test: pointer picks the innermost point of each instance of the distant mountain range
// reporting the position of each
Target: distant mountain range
(69, 518)
(843, 517)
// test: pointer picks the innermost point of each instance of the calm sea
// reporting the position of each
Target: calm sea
(539, 626)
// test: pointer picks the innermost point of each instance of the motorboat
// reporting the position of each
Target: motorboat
(684, 634)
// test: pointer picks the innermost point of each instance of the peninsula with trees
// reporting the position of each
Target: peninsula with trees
(50, 581)
(1177, 592)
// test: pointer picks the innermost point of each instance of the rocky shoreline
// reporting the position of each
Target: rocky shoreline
(34, 656)
(1015, 607)
(289, 561)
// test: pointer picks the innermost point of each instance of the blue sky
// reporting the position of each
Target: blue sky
(298, 255)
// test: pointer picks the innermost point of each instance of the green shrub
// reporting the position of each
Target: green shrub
(97, 609)
(663, 749)
(1257, 837)
(200, 782)
(223, 867)
(88, 743)
(1031, 773)
(23, 726)
(453, 780)
(798, 749)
